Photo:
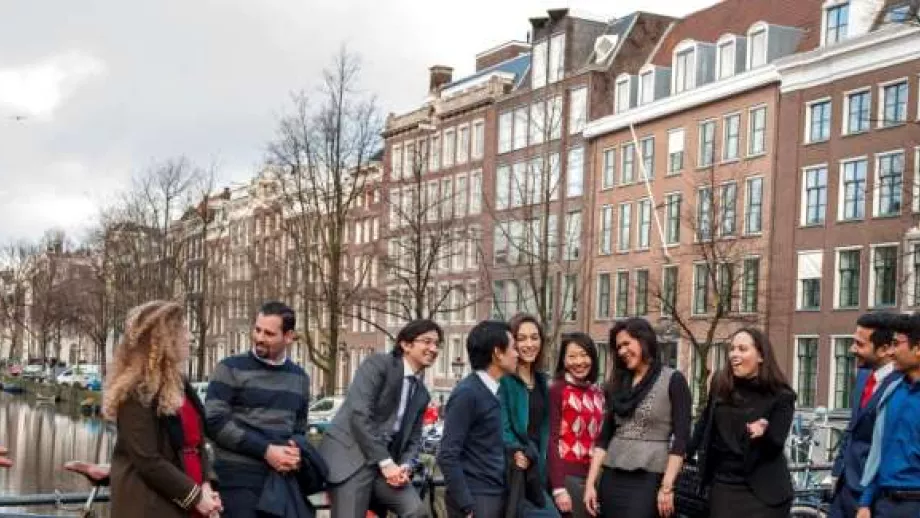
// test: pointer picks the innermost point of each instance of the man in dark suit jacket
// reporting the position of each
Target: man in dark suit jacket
(472, 454)
(871, 346)
(375, 437)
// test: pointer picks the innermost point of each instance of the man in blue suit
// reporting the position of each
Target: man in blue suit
(872, 344)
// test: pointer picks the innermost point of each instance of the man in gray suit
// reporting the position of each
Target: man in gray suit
(374, 439)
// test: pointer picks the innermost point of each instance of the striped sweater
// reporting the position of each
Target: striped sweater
(251, 405)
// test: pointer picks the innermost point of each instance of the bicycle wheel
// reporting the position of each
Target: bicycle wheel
(806, 511)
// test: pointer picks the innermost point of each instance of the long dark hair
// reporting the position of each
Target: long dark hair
(585, 342)
(525, 318)
(770, 378)
(642, 331)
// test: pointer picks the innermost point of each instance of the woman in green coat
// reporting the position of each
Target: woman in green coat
(525, 402)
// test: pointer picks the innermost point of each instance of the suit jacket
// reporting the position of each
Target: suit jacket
(857, 440)
(359, 433)
(148, 476)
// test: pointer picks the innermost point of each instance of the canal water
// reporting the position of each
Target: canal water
(41, 437)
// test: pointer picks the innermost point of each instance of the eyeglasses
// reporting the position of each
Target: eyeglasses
(428, 342)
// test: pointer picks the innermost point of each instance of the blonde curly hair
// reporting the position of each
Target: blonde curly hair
(147, 362)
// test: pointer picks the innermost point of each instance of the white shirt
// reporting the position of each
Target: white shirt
(881, 373)
(268, 361)
(404, 398)
(490, 382)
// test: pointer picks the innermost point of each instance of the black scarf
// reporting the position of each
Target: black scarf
(627, 397)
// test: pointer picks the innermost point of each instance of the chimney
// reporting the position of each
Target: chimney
(440, 75)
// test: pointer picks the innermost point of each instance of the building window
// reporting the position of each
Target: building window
(538, 75)
(889, 171)
(556, 58)
(502, 187)
(475, 192)
(726, 59)
(537, 127)
(672, 224)
(753, 211)
(554, 118)
(700, 289)
(707, 143)
(668, 289)
(628, 173)
(758, 48)
(848, 278)
(606, 229)
(449, 148)
(641, 293)
(818, 127)
(622, 92)
(644, 213)
(610, 168)
(807, 367)
(647, 87)
(684, 73)
(809, 280)
(603, 296)
(884, 276)
(725, 276)
(675, 150)
(758, 131)
(731, 137)
(815, 186)
(505, 130)
(434, 148)
(728, 204)
(573, 236)
(894, 104)
(704, 214)
(479, 131)
(396, 161)
(518, 183)
(844, 372)
(578, 110)
(575, 172)
(648, 156)
(463, 144)
(623, 241)
(853, 186)
(858, 108)
(622, 302)
(916, 274)
(749, 286)
(836, 22)
(520, 127)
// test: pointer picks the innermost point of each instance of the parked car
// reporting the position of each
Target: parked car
(80, 375)
(322, 412)
(34, 371)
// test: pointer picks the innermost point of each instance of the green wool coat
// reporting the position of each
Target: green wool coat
(515, 400)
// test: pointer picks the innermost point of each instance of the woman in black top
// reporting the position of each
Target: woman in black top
(741, 434)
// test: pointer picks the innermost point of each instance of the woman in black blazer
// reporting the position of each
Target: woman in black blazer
(741, 435)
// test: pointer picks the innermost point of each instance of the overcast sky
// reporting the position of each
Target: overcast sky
(93, 91)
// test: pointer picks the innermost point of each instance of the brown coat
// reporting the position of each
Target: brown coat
(148, 477)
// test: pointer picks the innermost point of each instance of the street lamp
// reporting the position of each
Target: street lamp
(456, 367)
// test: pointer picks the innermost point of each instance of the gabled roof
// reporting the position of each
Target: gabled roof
(517, 66)
(737, 16)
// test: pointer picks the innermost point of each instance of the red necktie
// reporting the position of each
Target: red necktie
(867, 391)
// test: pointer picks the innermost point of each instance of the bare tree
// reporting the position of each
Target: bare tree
(16, 259)
(320, 156)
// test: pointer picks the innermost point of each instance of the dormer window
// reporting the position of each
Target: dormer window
(685, 69)
(757, 48)
(647, 87)
(726, 58)
(836, 21)
(623, 89)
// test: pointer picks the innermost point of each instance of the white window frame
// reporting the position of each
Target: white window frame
(803, 206)
(558, 74)
(463, 155)
(728, 41)
(750, 133)
(597, 296)
(832, 372)
(841, 187)
(845, 123)
(396, 161)
(616, 294)
(667, 219)
(808, 120)
(477, 154)
(798, 279)
(605, 239)
(693, 308)
(450, 135)
(737, 156)
(754, 30)
(646, 75)
(881, 123)
(837, 252)
(605, 185)
(795, 361)
(683, 150)
(475, 194)
(825, 9)
(578, 115)
(876, 178)
(699, 150)
(640, 204)
(691, 47)
(506, 144)
(621, 246)
(623, 79)
(538, 77)
(916, 187)
(569, 177)
(434, 152)
(870, 300)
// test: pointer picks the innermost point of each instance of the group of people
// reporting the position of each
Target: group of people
(517, 441)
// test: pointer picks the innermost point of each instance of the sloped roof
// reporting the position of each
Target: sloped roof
(517, 66)
(737, 16)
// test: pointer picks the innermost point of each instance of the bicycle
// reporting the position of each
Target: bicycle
(97, 475)
(812, 492)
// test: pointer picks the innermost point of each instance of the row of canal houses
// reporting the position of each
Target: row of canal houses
(753, 163)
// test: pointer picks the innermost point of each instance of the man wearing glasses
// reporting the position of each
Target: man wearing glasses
(374, 439)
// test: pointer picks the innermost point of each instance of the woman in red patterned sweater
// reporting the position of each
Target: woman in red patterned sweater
(576, 413)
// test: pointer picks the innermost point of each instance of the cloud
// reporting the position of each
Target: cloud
(38, 89)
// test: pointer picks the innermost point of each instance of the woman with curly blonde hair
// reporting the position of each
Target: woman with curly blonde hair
(160, 465)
